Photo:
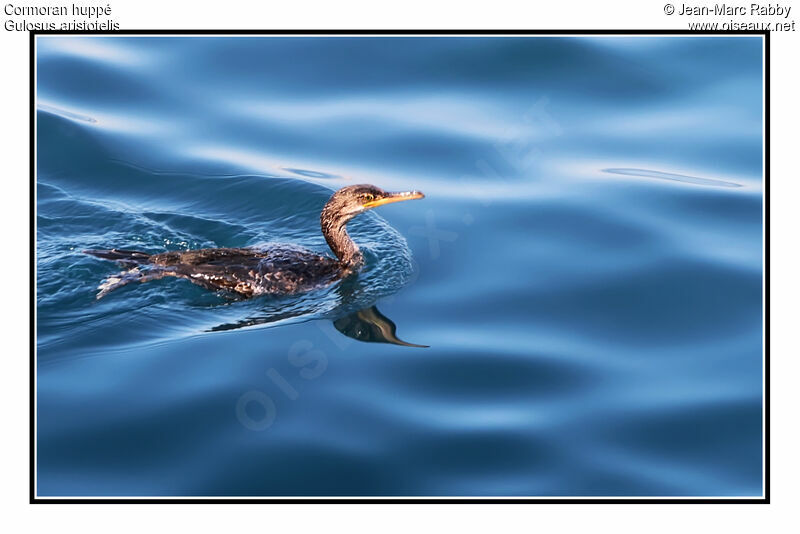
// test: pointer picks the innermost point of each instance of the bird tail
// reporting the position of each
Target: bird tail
(114, 282)
(131, 275)
(122, 256)
(130, 259)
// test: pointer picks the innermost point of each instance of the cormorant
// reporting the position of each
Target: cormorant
(272, 269)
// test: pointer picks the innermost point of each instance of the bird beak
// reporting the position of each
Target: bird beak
(394, 197)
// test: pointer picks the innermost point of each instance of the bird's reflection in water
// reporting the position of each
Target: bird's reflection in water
(368, 325)
(372, 326)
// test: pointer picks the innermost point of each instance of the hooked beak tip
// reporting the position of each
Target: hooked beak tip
(409, 195)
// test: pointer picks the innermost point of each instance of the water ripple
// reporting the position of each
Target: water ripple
(671, 176)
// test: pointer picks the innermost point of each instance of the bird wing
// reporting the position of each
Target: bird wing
(249, 271)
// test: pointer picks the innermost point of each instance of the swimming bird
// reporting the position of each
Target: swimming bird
(272, 269)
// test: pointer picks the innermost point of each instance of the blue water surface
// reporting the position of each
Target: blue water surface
(586, 267)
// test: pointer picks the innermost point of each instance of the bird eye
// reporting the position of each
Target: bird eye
(368, 197)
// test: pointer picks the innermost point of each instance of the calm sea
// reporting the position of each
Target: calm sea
(586, 268)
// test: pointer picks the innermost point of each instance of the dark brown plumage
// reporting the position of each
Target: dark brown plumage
(274, 269)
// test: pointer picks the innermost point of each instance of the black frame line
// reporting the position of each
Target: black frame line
(34, 499)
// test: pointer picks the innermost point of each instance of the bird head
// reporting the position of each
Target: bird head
(349, 201)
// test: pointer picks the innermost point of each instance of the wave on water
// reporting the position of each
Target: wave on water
(587, 267)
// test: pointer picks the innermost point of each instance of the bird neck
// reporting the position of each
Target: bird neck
(341, 243)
